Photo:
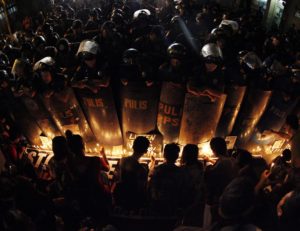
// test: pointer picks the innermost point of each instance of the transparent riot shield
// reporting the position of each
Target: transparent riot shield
(22, 119)
(139, 105)
(235, 96)
(170, 110)
(67, 114)
(200, 118)
(37, 110)
(273, 118)
(253, 107)
(100, 111)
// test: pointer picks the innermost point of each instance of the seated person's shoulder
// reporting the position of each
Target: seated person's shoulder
(128, 163)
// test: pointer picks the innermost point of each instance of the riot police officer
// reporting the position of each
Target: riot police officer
(175, 69)
(22, 80)
(50, 36)
(75, 33)
(174, 28)
(4, 61)
(27, 51)
(152, 44)
(91, 74)
(140, 23)
(4, 81)
(110, 42)
(47, 81)
(132, 68)
(39, 44)
(94, 20)
(252, 72)
(5, 92)
(65, 57)
(209, 81)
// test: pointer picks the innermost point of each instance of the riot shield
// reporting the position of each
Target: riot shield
(67, 114)
(235, 96)
(253, 107)
(273, 118)
(277, 111)
(22, 119)
(170, 111)
(139, 107)
(38, 111)
(102, 116)
(156, 143)
(200, 118)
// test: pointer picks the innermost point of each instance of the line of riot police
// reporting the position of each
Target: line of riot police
(120, 64)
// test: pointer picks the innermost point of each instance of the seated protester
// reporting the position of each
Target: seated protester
(90, 74)
(47, 82)
(167, 184)
(288, 206)
(219, 175)
(194, 170)
(22, 83)
(87, 187)
(243, 158)
(59, 165)
(210, 81)
(175, 70)
(130, 191)
(265, 212)
(280, 167)
(17, 162)
(288, 211)
(133, 70)
(20, 198)
(237, 204)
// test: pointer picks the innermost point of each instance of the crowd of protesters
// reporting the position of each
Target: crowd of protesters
(235, 190)
(97, 44)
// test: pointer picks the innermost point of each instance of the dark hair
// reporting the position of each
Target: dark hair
(76, 145)
(287, 154)
(218, 146)
(292, 121)
(237, 199)
(171, 152)
(68, 134)
(59, 147)
(243, 158)
(190, 154)
(141, 144)
(258, 165)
